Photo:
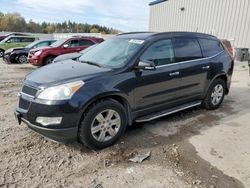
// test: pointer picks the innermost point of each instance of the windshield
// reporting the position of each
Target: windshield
(112, 53)
(58, 43)
(4, 40)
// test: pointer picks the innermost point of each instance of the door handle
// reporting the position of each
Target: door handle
(174, 73)
(206, 67)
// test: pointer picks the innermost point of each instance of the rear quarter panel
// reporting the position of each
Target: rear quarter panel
(221, 65)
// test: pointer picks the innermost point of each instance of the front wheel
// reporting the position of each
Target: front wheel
(49, 60)
(103, 124)
(22, 59)
(215, 94)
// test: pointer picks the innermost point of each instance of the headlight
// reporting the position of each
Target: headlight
(61, 92)
(9, 50)
(38, 53)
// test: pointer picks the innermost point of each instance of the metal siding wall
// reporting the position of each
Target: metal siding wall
(228, 19)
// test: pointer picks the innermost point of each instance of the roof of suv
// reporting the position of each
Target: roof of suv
(149, 35)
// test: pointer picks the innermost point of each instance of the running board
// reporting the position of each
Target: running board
(168, 111)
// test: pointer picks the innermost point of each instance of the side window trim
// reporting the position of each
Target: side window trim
(193, 60)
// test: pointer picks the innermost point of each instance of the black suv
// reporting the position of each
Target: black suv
(131, 77)
(20, 54)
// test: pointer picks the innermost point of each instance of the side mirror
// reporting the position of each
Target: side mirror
(65, 46)
(146, 65)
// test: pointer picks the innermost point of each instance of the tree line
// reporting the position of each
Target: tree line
(14, 22)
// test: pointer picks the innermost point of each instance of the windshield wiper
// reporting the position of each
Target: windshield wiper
(92, 63)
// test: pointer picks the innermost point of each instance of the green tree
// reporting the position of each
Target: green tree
(14, 22)
(94, 30)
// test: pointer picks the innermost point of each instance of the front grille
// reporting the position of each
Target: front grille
(23, 104)
(29, 90)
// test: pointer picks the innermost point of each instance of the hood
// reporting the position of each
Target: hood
(67, 57)
(15, 49)
(63, 72)
(41, 48)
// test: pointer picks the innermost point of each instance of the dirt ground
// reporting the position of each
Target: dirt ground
(193, 148)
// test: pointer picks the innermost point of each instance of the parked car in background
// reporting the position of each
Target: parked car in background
(46, 56)
(20, 55)
(229, 47)
(12, 34)
(131, 77)
(15, 41)
(73, 56)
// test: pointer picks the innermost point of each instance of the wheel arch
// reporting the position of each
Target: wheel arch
(222, 76)
(46, 56)
(119, 97)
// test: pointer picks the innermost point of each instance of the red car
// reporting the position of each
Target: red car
(228, 45)
(44, 56)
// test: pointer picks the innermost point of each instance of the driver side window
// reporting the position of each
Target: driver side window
(73, 43)
(160, 52)
(11, 40)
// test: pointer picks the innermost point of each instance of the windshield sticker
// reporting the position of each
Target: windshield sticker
(136, 41)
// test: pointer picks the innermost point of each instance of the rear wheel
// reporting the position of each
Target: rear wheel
(103, 124)
(22, 59)
(215, 94)
(48, 60)
(1, 52)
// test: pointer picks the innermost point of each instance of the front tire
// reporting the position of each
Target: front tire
(22, 59)
(215, 94)
(103, 124)
(48, 60)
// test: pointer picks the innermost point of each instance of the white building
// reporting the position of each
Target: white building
(226, 19)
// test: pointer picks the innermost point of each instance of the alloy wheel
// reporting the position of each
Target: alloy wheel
(106, 125)
(23, 59)
(217, 94)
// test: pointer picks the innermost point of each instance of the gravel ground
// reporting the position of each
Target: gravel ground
(193, 148)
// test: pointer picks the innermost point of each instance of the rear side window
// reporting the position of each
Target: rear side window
(210, 47)
(83, 42)
(186, 49)
(27, 39)
(161, 53)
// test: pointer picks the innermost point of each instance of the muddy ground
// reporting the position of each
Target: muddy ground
(193, 148)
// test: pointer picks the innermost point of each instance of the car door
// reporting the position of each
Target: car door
(12, 43)
(193, 68)
(73, 46)
(160, 87)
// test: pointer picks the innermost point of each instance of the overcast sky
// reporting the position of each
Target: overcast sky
(126, 15)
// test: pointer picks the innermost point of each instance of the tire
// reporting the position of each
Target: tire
(95, 129)
(214, 98)
(48, 60)
(22, 59)
(1, 52)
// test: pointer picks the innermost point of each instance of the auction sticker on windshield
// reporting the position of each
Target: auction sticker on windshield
(136, 41)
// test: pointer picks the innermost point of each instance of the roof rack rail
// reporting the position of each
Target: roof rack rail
(137, 32)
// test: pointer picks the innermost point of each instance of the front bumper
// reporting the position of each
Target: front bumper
(34, 60)
(60, 135)
(67, 131)
(8, 58)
